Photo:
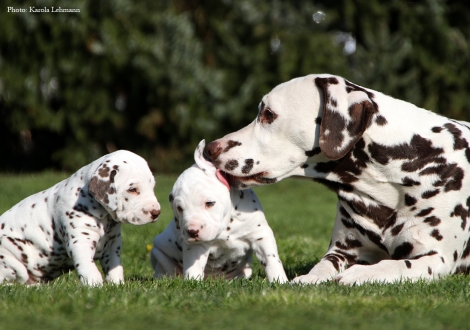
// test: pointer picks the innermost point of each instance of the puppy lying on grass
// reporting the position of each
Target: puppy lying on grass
(215, 229)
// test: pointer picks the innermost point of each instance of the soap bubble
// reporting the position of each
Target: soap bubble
(318, 17)
(275, 44)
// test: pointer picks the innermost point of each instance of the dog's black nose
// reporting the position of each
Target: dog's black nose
(212, 151)
(154, 214)
(193, 233)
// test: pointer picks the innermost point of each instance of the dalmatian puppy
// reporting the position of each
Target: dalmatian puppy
(400, 173)
(78, 221)
(215, 229)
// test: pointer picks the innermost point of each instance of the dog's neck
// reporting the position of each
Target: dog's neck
(354, 172)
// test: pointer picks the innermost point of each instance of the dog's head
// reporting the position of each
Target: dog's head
(200, 199)
(124, 185)
(316, 115)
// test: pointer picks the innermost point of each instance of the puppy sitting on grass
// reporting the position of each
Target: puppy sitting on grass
(215, 229)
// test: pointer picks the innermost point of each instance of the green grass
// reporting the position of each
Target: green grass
(301, 214)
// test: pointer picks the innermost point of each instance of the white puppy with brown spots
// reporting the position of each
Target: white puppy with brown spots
(78, 221)
(215, 229)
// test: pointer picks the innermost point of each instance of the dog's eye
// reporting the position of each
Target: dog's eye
(209, 204)
(268, 116)
(132, 190)
(179, 208)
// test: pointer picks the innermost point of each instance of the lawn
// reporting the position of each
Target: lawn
(301, 214)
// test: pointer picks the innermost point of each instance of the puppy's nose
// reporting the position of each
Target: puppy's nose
(212, 150)
(154, 214)
(193, 233)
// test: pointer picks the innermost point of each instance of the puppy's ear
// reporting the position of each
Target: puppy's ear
(202, 162)
(347, 112)
(102, 187)
(207, 166)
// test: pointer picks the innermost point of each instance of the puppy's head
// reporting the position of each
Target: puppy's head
(124, 185)
(200, 199)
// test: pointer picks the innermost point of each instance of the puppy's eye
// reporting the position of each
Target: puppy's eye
(179, 208)
(209, 204)
(132, 190)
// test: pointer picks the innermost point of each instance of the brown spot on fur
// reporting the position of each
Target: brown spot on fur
(315, 151)
(408, 182)
(333, 259)
(417, 153)
(436, 234)
(231, 144)
(397, 229)
(459, 210)
(432, 221)
(466, 251)
(402, 251)
(231, 165)
(430, 193)
(112, 175)
(427, 254)
(349, 244)
(410, 200)
(425, 212)
(459, 141)
(382, 215)
(104, 171)
(380, 120)
(248, 166)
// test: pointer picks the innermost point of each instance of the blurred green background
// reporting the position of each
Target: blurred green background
(156, 77)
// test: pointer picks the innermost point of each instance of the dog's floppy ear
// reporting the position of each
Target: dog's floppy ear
(102, 187)
(347, 112)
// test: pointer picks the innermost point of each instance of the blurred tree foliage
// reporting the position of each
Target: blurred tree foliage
(156, 77)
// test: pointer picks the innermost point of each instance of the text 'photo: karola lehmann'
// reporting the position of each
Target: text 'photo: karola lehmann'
(42, 10)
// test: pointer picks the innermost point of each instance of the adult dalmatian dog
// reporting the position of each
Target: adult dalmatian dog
(401, 174)
(78, 221)
(215, 229)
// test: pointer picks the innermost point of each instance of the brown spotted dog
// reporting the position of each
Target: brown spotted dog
(78, 221)
(400, 173)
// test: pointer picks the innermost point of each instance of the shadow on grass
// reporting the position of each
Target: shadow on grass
(298, 269)
(292, 271)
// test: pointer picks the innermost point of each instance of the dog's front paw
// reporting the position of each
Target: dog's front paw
(360, 274)
(310, 279)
